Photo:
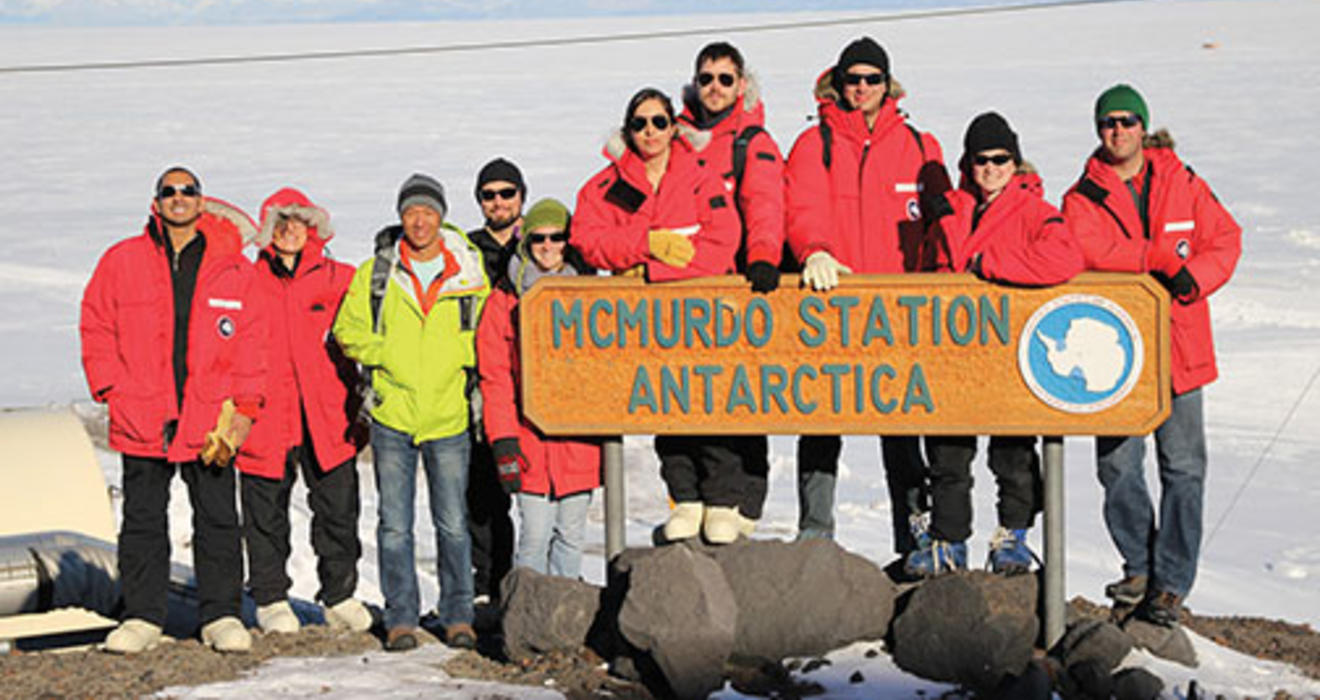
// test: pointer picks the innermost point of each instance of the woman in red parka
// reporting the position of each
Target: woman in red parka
(307, 423)
(657, 209)
(553, 477)
(998, 226)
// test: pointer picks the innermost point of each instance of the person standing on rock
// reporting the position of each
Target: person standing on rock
(997, 226)
(856, 199)
(173, 339)
(552, 476)
(1138, 208)
(656, 209)
(410, 317)
(724, 119)
(306, 424)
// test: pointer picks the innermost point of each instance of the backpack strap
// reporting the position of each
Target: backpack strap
(826, 143)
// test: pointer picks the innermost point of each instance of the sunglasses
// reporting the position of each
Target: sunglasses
(1128, 122)
(997, 159)
(503, 193)
(726, 79)
(170, 190)
(859, 78)
(659, 121)
(560, 237)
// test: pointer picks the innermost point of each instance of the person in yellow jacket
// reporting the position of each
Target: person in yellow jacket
(410, 318)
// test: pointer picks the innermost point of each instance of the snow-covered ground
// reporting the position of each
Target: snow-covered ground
(1234, 81)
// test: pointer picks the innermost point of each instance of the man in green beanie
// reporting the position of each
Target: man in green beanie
(1137, 208)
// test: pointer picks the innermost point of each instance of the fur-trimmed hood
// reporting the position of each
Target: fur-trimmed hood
(227, 227)
(748, 109)
(824, 91)
(1025, 177)
(616, 146)
(291, 202)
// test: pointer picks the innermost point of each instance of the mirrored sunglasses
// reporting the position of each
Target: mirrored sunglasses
(168, 191)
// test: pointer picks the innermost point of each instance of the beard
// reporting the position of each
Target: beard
(500, 224)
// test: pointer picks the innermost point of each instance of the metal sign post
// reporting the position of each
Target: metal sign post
(616, 499)
(1055, 605)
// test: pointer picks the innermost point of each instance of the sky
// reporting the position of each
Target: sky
(247, 12)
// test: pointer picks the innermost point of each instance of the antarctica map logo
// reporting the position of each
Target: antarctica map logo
(1080, 353)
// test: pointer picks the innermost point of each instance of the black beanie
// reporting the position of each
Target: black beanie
(500, 170)
(863, 50)
(990, 131)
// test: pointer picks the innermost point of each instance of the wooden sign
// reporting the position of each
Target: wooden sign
(880, 354)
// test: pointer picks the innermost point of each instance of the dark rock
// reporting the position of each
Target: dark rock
(1095, 642)
(545, 613)
(1033, 684)
(856, 677)
(803, 598)
(680, 611)
(1090, 679)
(1169, 643)
(971, 628)
(1137, 684)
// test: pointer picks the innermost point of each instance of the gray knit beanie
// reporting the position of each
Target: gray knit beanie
(422, 190)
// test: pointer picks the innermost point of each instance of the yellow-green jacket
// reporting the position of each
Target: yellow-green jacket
(419, 362)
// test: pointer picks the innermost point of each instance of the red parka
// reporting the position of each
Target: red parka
(1186, 226)
(760, 200)
(558, 466)
(616, 210)
(1019, 237)
(127, 331)
(308, 373)
(863, 203)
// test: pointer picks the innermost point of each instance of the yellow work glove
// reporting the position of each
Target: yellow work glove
(219, 447)
(673, 249)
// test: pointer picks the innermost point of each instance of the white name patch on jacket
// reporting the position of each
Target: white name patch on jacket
(1174, 226)
(905, 187)
(231, 304)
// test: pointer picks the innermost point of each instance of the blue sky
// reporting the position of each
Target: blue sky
(206, 12)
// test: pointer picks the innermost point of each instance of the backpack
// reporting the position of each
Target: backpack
(787, 261)
(381, 267)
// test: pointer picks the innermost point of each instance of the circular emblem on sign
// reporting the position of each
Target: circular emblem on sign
(913, 210)
(225, 326)
(1080, 353)
(1184, 248)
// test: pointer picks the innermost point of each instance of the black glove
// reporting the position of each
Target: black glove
(763, 276)
(1182, 285)
(509, 461)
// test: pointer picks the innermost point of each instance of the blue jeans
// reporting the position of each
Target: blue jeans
(1167, 553)
(552, 533)
(446, 464)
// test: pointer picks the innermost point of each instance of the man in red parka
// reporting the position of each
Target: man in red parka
(723, 115)
(1138, 208)
(307, 423)
(855, 201)
(170, 335)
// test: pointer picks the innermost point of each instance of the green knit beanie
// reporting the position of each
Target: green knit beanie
(1122, 98)
(546, 212)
